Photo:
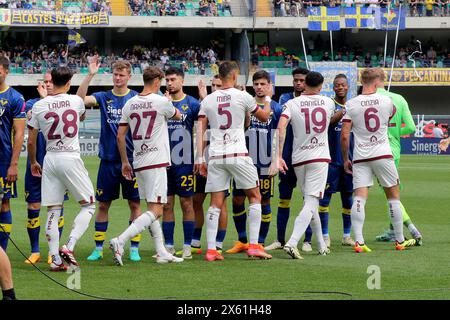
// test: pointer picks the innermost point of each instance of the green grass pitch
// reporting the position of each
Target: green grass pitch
(419, 273)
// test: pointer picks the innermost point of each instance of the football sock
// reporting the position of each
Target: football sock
(168, 228)
(308, 234)
(283, 212)
(6, 223)
(9, 294)
(317, 230)
(266, 217)
(33, 229)
(52, 234)
(323, 214)
(310, 205)
(157, 234)
(61, 222)
(347, 221)
(212, 223)
(220, 238)
(135, 240)
(80, 224)
(139, 224)
(240, 222)
(358, 215)
(395, 210)
(188, 230)
(100, 234)
(196, 236)
(254, 219)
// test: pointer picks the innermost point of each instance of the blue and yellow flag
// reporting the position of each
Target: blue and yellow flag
(359, 17)
(75, 39)
(389, 19)
(323, 19)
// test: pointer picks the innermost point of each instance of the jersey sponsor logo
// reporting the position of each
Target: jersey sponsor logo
(114, 114)
(373, 142)
(146, 149)
(314, 144)
(60, 147)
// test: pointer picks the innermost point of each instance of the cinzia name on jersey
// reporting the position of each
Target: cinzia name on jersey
(368, 103)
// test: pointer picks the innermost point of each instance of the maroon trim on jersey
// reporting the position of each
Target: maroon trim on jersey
(386, 156)
(123, 124)
(256, 109)
(311, 161)
(231, 155)
(346, 120)
(285, 116)
(91, 199)
(30, 127)
(154, 166)
(201, 116)
(158, 200)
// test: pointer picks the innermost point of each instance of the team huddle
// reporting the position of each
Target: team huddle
(156, 146)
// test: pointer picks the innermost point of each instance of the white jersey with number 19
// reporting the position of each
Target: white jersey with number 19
(310, 117)
(226, 110)
(370, 115)
(147, 117)
(58, 117)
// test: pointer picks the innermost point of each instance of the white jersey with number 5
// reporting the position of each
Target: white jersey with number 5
(58, 117)
(370, 115)
(310, 117)
(225, 110)
(147, 117)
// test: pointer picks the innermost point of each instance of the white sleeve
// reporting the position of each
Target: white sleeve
(202, 112)
(82, 106)
(346, 117)
(168, 110)
(250, 103)
(124, 119)
(32, 119)
(286, 111)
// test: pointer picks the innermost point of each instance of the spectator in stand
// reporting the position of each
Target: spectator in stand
(204, 8)
(277, 7)
(226, 6)
(255, 55)
(326, 56)
(429, 7)
(265, 50)
(368, 60)
(437, 132)
(106, 7)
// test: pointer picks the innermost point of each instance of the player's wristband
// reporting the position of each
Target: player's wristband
(268, 99)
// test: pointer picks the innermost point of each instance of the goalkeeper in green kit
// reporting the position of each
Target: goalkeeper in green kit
(402, 115)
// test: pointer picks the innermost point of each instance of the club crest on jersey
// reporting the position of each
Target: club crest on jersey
(184, 107)
(3, 102)
(99, 192)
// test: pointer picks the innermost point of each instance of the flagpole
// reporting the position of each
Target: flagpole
(395, 47)
(303, 41)
(385, 49)
(331, 43)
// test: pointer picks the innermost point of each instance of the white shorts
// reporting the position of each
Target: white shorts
(384, 170)
(63, 172)
(153, 185)
(312, 178)
(241, 169)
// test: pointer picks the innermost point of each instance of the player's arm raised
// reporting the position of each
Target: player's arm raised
(345, 144)
(89, 101)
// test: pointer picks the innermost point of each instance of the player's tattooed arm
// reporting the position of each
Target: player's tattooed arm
(127, 170)
(89, 101)
(345, 144)
(32, 139)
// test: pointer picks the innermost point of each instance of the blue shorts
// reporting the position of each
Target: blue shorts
(33, 187)
(287, 183)
(9, 189)
(180, 181)
(109, 180)
(200, 183)
(338, 180)
(266, 187)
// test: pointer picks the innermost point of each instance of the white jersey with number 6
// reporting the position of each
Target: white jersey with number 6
(310, 117)
(370, 115)
(226, 110)
(58, 117)
(147, 117)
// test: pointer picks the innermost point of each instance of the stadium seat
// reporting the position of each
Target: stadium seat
(181, 13)
(19, 70)
(440, 64)
(84, 70)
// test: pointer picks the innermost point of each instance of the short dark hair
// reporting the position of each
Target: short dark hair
(216, 76)
(340, 76)
(300, 71)
(175, 71)
(313, 79)
(152, 73)
(226, 68)
(4, 62)
(61, 76)
(261, 74)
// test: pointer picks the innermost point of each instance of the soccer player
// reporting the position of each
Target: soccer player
(338, 180)
(109, 178)
(310, 116)
(368, 116)
(180, 175)
(12, 119)
(33, 184)
(146, 115)
(200, 195)
(58, 116)
(225, 110)
(395, 131)
(287, 180)
(260, 135)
